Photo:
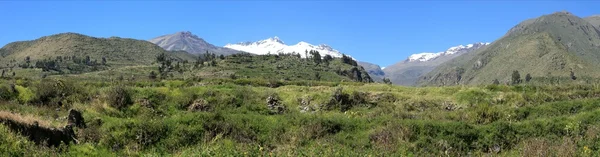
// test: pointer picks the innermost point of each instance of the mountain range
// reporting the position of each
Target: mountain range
(408, 71)
(274, 45)
(554, 45)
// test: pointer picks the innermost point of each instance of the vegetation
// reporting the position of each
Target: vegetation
(130, 118)
(554, 45)
(157, 103)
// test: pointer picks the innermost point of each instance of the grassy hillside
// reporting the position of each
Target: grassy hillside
(116, 51)
(180, 118)
(548, 46)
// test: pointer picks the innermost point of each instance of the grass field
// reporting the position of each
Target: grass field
(231, 118)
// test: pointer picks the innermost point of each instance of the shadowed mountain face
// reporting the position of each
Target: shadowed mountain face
(549, 46)
(374, 70)
(186, 41)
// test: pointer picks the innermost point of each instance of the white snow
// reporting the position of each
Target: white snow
(274, 45)
(426, 56)
(423, 56)
(382, 68)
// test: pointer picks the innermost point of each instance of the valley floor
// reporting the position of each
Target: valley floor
(229, 118)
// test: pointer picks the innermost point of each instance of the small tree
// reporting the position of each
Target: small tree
(527, 78)
(103, 60)
(317, 76)
(152, 75)
(496, 82)
(387, 81)
(213, 63)
(516, 77)
(573, 77)
(327, 59)
(316, 56)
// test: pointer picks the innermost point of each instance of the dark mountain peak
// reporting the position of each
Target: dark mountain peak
(564, 12)
(187, 41)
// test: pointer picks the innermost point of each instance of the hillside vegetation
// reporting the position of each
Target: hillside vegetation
(554, 45)
(79, 53)
(186, 118)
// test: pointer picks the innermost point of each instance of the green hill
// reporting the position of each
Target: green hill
(549, 46)
(66, 46)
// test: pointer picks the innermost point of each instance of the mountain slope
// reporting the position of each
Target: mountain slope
(551, 45)
(186, 41)
(115, 50)
(373, 70)
(408, 71)
(275, 45)
(594, 20)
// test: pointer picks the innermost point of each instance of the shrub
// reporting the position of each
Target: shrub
(53, 92)
(119, 97)
(8, 92)
(25, 95)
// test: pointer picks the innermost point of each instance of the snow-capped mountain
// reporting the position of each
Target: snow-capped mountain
(407, 72)
(275, 45)
(426, 56)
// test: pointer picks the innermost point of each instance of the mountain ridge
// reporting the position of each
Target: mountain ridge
(275, 45)
(191, 43)
(552, 45)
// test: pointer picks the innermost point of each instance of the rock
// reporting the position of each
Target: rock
(305, 105)
(274, 105)
(145, 103)
(76, 119)
(199, 105)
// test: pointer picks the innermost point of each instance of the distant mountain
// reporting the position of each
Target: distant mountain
(548, 46)
(117, 51)
(186, 41)
(408, 71)
(594, 20)
(373, 70)
(275, 45)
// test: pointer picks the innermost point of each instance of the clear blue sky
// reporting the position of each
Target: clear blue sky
(381, 32)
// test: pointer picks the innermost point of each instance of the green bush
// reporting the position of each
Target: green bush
(119, 97)
(55, 92)
(8, 92)
(25, 95)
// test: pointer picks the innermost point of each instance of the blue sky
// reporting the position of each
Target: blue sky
(381, 32)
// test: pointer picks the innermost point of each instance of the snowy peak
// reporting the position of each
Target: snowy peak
(426, 56)
(275, 39)
(275, 45)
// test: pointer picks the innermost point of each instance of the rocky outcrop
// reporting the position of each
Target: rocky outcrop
(274, 105)
(42, 134)
(76, 119)
(199, 105)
